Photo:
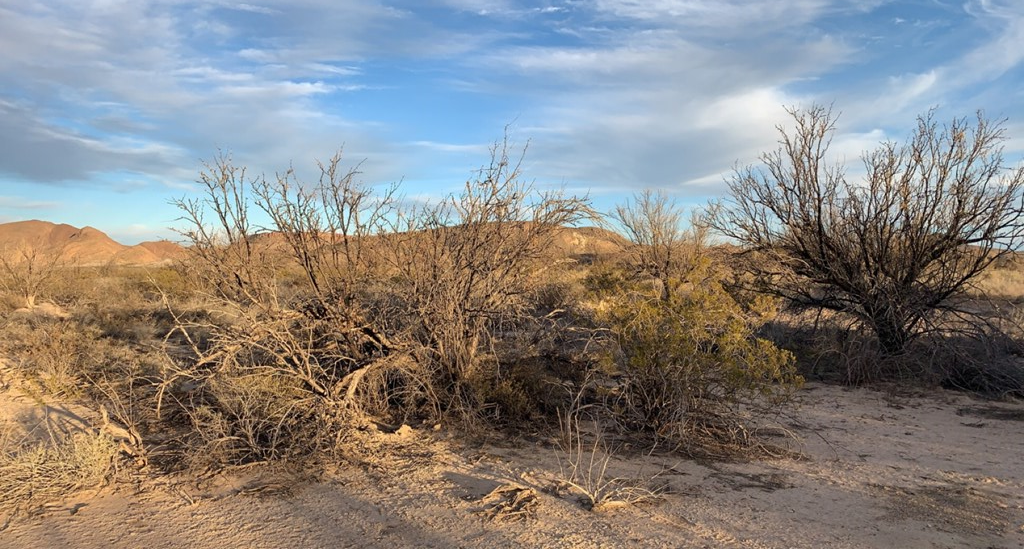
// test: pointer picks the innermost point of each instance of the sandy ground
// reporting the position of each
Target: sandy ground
(880, 470)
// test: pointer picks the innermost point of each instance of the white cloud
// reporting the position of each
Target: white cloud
(278, 89)
(757, 109)
(256, 9)
(657, 108)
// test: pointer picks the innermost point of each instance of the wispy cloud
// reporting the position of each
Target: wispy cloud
(615, 94)
(451, 147)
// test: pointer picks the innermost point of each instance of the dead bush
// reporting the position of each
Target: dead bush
(464, 269)
(350, 304)
(286, 342)
(31, 270)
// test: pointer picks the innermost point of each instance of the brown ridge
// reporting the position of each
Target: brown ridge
(86, 246)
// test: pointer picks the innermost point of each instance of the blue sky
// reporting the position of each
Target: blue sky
(107, 107)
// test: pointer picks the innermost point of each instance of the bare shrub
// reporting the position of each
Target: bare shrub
(267, 359)
(226, 256)
(329, 229)
(897, 252)
(464, 268)
(349, 304)
(661, 248)
(30, 270)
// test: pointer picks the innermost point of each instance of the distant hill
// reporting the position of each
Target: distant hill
(86, 246)
(91, 247)
(572, 242)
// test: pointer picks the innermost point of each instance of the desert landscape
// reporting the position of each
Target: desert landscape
(509, 273)
(134, 412)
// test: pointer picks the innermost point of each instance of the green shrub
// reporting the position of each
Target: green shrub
(689, 364)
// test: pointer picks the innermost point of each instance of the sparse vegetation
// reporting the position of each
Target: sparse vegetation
(662, 248)
(309, 335)
(584, 461)
(354, 312)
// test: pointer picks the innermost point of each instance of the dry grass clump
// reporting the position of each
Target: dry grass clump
(1006, 283)
(52, 470)
(1003, 280)
(584, 462)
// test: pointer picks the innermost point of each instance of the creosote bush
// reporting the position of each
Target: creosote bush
(691, 364)
(30, 271)
(686, 349)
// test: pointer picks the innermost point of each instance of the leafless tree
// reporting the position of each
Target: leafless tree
(895, 250)
(662, 248)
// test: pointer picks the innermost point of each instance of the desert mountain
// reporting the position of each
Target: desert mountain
(86, 246)
(90, 247)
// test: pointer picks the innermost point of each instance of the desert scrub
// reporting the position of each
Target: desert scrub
(63, 358)
(691, 364)
(306, 333)
(51, 353)
(250, 416)
(54, 469)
